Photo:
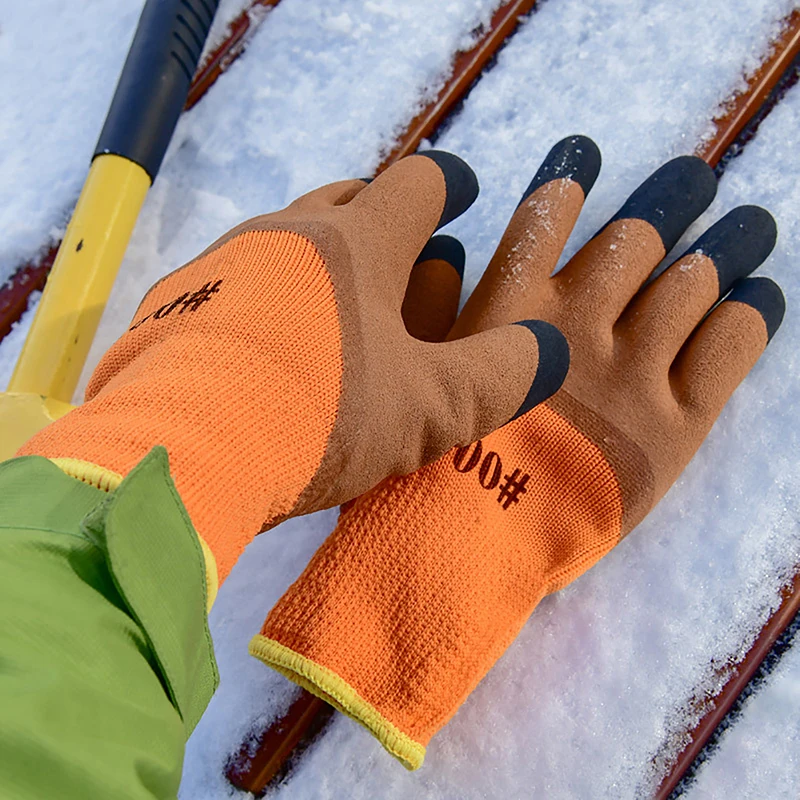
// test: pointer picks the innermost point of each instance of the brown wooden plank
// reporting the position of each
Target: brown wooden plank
(277, 743)
(743, 106)
(15, 294)
(467, 66)
(739, 676)
(239, 33)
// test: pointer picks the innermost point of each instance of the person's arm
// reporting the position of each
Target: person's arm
(106, 661)
(269, 368)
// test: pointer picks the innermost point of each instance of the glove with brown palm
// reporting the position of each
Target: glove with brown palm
(428, 578)
(277, 372)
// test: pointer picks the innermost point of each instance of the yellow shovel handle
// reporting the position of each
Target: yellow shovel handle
(81, 279)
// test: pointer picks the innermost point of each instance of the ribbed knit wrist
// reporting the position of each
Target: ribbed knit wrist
(234, 364)
(404, 609)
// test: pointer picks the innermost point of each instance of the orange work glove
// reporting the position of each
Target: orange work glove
(276, 370)
(428, 578)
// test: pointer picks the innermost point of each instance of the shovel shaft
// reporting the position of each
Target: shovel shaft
(148, 100)
(77, 290)
(155, 80)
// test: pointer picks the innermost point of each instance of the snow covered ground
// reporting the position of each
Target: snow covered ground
(59, 71)
(758, 440)
(583, 702)
(760, 755)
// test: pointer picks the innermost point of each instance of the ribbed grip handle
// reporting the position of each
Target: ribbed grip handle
(155, 80)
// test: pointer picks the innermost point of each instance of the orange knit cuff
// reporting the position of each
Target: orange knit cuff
(428, 579)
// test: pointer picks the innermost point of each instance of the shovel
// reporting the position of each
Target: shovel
(148, 100)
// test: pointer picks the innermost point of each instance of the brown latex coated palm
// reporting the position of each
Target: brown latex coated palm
(276, 369)
(429, 577)
(647, 379)
(430, 306)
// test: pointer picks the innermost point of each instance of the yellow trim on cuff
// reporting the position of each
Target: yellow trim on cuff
(108, 481)
(335, 691)
(101, 478)
(212, 576)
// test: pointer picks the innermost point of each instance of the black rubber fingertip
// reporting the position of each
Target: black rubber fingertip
(553, 363)
(460, 181)
(445, 248)
(672, 198)
(765, 296)
(738, 243)
(576, 157)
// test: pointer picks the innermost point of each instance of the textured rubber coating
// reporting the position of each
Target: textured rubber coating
(460, 181)
(738, 243)
(445, 248)
(576, 157)
(765, 296)
(553, 363)
(672, 198)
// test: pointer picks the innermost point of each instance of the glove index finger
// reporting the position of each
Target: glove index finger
(332, 194)
(430, 188)
(513, 284)
(461, 184)
(400, 210)
(431, 303)
(576, 158)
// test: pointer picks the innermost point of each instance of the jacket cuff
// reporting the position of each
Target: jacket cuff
(151, 550)
(157, 562)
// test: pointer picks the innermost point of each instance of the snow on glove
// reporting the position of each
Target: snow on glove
(276, 369)
(429, 578)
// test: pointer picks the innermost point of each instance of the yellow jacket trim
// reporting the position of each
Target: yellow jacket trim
(212, 576)
(108, 481)
(335, 691)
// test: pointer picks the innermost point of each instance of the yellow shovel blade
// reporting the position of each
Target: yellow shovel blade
(22, 415)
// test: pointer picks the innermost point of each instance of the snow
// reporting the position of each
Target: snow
(761, 749)
(12, 344)
(65, 66)
(624, 73)
(64, 73)
(583, 702)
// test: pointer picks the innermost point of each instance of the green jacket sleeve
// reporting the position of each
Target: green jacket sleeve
(106, 662)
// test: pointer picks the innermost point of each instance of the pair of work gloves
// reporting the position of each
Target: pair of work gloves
(316, 355)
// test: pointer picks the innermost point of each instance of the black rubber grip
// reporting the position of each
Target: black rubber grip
(155, 80)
